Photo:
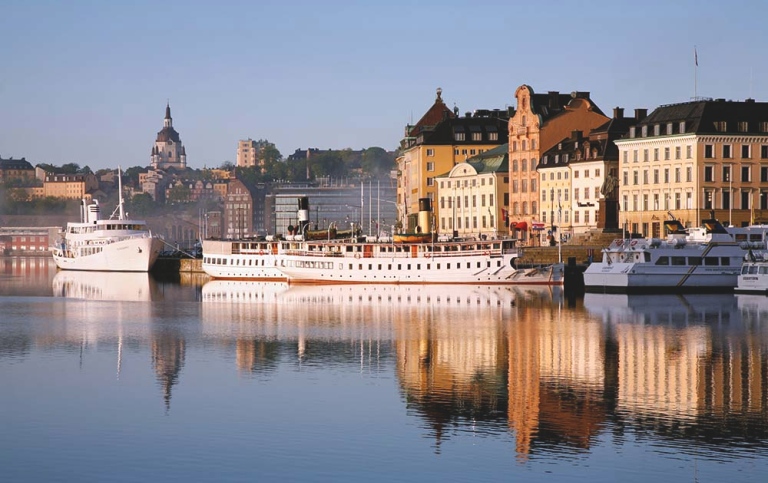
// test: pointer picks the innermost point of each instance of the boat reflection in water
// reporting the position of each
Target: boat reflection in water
(113, 286)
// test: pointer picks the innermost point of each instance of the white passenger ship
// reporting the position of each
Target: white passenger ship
(703, 259)
(118, 245)
(355, 259)
(242, 260)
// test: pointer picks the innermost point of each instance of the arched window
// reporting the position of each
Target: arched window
(533, 164)
(534, 208)
(514, 166)
(516, 208)
(524, 165)
(525, 207)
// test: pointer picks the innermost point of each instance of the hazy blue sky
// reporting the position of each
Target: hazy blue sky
(87, 81)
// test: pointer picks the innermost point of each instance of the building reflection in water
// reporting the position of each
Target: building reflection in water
(484, 359)
(30, 276)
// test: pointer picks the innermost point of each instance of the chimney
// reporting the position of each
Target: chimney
(553, 99)
(640, 114)
(618, 112)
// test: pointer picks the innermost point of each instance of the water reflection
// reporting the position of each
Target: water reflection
(689, 372)
(136, 287)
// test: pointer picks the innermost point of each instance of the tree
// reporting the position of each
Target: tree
(70, 168)
(228, 165)
(179, 194)
(377, 162)
(131, 175)
(141, 204)
(327, 163)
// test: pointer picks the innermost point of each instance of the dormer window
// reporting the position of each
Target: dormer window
(682, 127)
(721, 126)
(743, 126)
(657, 129)
(632, 131)
(670, 127)
(645, 131)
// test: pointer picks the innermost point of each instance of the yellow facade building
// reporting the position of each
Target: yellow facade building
(440, 140)
(693, 159)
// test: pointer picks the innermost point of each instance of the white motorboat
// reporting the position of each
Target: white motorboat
(704, 259)
(754, 274)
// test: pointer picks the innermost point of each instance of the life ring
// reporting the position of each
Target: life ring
(633, 243)
(485, 254)
(261, 252)
(357, 255)
(427, 255)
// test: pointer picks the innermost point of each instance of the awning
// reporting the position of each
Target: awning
(537, 225)
(519, 225)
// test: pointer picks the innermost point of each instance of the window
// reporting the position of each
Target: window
(666, 154)
(678, 152)
(645, 155)
(709, 174)
(677, 175)
(688, 174)
(634, 156)
(576, 194)
(645, 176)
(626, 178)
(477, 136)
(656, 154)
(430, 152)
(764, 174)
(743, 126)
(575, 173)
(430, 181)
(709, 151)
(597, 192)
(624, 155)
(727, 151)
(745, 151)
(666, 175)
(635, 177)
(597, 173)
(493, 136)
(514, 166)
(459, 136)
(655, 176)
(430, 166)
(688, 152)
(721, 126)
(726, 173)
(746, 174)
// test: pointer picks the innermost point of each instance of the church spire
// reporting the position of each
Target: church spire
(168, 122)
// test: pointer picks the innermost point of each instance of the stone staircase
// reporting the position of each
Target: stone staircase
(580, 247)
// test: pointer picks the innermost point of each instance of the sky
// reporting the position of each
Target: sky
(87, 82)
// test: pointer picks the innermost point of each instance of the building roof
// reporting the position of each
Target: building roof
(168, 134)
(554, 103)
(494, 160)
(437, 113)
(15, 164)
(707, 117)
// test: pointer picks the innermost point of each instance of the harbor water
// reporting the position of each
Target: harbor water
(124, 377)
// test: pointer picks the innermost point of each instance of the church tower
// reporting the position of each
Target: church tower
(168, 151)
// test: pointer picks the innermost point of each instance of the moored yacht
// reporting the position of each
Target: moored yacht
(754, 274)
(702, 259)
(117, 244)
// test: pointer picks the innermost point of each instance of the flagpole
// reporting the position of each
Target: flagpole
(695, 73)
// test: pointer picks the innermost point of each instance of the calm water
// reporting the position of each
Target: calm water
(119, 377)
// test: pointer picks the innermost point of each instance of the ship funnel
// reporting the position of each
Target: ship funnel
(425, 214)
(303, 213)
(93, 212)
